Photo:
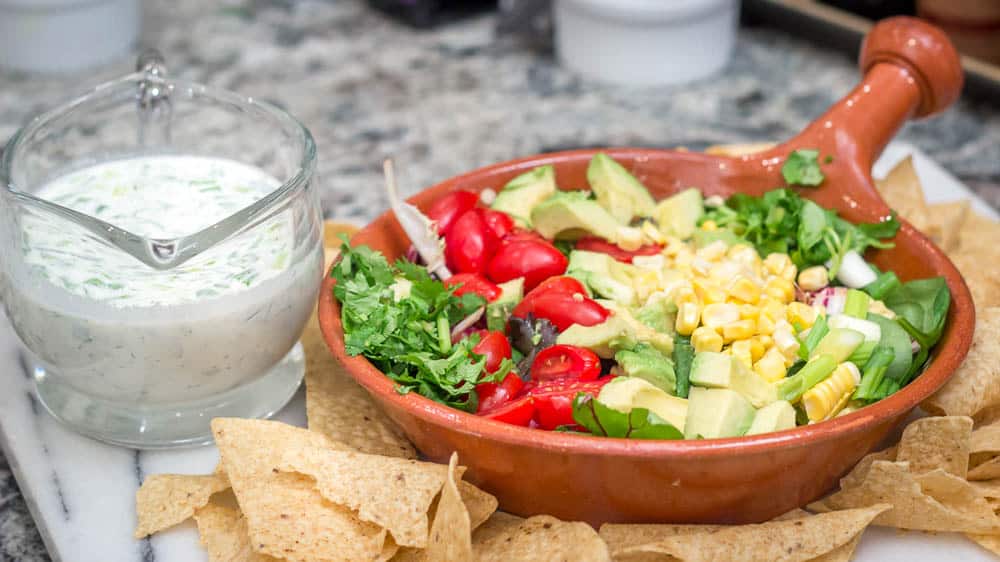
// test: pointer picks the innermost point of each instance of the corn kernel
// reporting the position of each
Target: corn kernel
(687, 318)
(777, 262)
(765, 340)
(683, 258)
(629, 238)
(684, 294)
(789, 272)
(706, 339)
(781, 289)
(756, 348)
(745, 255)
(739, 330)
(652, 234)
(744, 290)
(673, 245)
(716, 315)
(714, 251)
(709, 226)
(765, 325)
(749, 311)
(771, 367)
(708, 292)
(771, 308)
(800, 314)
(785, 341)
(741, 352)
(824, 400)
(724, 271)
(814, 278)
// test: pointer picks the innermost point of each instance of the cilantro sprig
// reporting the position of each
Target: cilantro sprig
(782, 221)
(405, 337)
(802, 168)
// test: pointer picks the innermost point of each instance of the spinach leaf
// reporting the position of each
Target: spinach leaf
(639, 423)
(802, 168)
(895, 338)
(922, 307)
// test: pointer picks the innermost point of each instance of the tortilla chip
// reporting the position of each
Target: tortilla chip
(858, 474)
(341, 409)
(542, 538)
(790, 540)
(937, 442)
(392, 493)
(223, 532)
(498, 523)
(902, 191)
(481, 505)
(976, 383)
(945, 223)
(986, 471)
(985, 439)
(989, 542)
(739, 149)
(164, 500)
(286, 516)
(932, 501)
(451, 533)
(983, 283)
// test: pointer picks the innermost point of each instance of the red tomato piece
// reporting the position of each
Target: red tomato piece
(518, 412)
(492, 395)
(446, 210)
(594, 244)
(563, 309)
(560, 284)
(499, 222)
(553, 400)
(566, 362)
(472, 283)
(536, 261)
(470, 243)
(522, 235)
(494, 347)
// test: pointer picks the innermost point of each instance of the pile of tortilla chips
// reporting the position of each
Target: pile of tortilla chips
(349, 487)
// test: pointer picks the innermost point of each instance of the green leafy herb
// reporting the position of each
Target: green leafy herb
(802, 168)
(639, 423)
(921, 307)
(782, 221)
(409, 339)
(683, 356)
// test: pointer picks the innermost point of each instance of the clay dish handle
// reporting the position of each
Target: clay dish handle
(910, 70)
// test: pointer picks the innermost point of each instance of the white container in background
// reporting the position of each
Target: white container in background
(65, 35)
(645, 42)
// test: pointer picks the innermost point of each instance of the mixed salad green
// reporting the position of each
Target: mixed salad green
(608, 313)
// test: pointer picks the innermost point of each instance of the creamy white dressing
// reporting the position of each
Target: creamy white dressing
(157, 197)
(111, 327)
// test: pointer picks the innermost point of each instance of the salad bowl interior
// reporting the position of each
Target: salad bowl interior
(910, 70)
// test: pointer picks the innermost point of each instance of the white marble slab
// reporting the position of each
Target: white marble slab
(81, 492)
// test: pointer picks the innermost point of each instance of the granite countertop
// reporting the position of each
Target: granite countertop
(449, 100)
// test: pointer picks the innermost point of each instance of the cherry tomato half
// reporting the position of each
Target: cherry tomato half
(494, 347)
(499, 222)
(563, 309)
(518, 412)
(472, 283)
(492, 395)
(594, 244)
(470, 243)
(522, 235)
(553, 400)
(536, 261)
(566, 362)
(446, 210)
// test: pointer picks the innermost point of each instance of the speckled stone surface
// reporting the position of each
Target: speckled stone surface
(450, 100)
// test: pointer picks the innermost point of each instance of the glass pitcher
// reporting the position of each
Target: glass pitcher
(162, 252)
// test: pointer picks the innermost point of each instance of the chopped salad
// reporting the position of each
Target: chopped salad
(608, 313)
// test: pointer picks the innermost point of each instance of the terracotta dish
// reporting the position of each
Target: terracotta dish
(910, 70)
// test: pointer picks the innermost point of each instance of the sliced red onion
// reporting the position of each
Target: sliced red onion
(832, 299)
(468, 322)
(413, 255)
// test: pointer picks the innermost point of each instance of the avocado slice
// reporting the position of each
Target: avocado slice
(678, 214)
(522, 193)
(569, 215)
(617, 190)
(718, 370)
(703, 238)
(498, 311)
(627, 393)
(602, 274)
(776, 416)
(604, 339)
(646, 363)
(660, 314)
(717, 412)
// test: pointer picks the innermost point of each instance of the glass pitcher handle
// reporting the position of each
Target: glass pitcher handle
(153, 99)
